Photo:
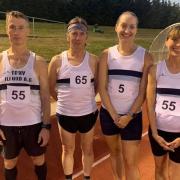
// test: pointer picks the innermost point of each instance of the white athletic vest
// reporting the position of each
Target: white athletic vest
(167, 99)
(124, 75)
(75, 88)
(20, 103)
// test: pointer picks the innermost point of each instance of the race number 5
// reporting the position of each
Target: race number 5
(121, 88)
(171, 105)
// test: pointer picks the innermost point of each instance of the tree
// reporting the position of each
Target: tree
(151, 13)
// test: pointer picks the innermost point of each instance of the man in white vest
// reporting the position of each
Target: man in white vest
(24, 100)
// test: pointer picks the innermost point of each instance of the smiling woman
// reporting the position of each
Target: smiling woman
(157, 47)
(123, 72)
(163, 100)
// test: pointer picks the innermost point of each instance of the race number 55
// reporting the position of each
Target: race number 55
(18, 95)
(171, 105)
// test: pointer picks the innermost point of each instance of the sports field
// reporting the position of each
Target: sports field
(49, 39)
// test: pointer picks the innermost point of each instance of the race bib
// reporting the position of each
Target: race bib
(169, 105)
(124, 88)
(82, 80)
(18, 95)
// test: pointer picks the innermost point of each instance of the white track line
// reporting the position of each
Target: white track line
(144, 134)
(100, 161)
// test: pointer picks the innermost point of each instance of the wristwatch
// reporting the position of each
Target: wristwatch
(130, 113)
(46, 126)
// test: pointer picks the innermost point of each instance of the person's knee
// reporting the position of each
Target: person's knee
(87, 149)
(116, 151)
(174, 170)
(10, 163)
(130, 162)
(160, 167)
(68, 149)
(38, 160)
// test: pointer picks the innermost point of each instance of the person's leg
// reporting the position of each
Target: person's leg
(130, 156)
(40, 166)
(161, 167)
(86, 126)
(131, 136)
(87, 151)
(174, 161)
(10, 170)
(35, 151)
(114, 144)
(174, 170)
(11, 146)
(68, 147)
(113, 140)
(161, 157)
(68, 127)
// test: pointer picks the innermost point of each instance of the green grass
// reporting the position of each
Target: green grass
(49, 39)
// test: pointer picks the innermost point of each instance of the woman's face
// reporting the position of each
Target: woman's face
(77, 38)
(173, 46)
(126, 28)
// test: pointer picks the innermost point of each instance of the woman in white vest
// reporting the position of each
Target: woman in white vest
(163, 97)
(123, 73)
(72, 78)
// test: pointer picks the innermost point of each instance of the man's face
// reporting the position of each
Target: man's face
(17, 30)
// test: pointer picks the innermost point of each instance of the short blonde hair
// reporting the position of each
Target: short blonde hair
(174, 33)
(16, 14)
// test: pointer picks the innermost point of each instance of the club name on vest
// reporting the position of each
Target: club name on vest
(18, 76)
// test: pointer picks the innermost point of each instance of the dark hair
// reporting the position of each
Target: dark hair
(128, 13)
(174, 32)
(16, 14)
(78, 20)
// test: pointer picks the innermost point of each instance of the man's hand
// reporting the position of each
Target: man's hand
(2, 137)
(43, 137)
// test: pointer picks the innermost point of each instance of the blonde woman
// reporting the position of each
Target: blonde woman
(163, 99)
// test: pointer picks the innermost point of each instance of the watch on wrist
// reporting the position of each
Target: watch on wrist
(46, 126)
(130, 113)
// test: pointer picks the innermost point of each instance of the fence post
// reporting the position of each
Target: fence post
(33, 26)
